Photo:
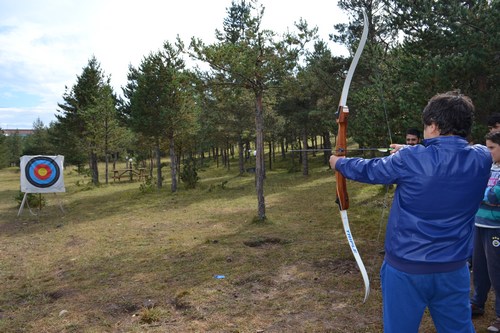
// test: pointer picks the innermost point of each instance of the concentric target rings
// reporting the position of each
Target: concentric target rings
(42, 171)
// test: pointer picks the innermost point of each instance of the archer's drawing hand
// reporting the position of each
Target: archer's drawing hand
(395, 147)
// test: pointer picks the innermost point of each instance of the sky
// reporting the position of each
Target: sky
(44, 45)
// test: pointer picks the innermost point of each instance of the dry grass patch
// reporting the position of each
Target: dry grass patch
(120, 260)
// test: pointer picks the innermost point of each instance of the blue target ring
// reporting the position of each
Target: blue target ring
(42, 171)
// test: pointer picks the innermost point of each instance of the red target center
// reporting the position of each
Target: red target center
(42, 171)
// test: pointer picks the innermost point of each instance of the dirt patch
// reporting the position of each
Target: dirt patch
(60, 293)
(121, 308)
(265, 241)
(337, 266)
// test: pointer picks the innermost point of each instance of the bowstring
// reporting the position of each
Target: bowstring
(385, 110)
(386, 195)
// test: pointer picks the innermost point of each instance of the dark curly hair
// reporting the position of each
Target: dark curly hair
(413, 131)
(493, 120)
(452, 112)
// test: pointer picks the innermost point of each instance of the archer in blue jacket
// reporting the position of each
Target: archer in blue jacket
(429, 234)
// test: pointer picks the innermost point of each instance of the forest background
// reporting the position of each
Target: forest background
(254, 97)
(255, 88)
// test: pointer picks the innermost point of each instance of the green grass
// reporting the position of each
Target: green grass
(119, 260)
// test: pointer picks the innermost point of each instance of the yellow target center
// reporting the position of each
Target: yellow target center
(42, 172)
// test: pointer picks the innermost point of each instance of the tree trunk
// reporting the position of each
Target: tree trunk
(159, 182)
(259, 158)
(106, 167)
(93, 168)
(151, 165)
(270, 155)
(273, 145)
(241, 157)
(327, 145)
(228, 155)
(283, 149)
(305, 164)
(106, 152)
(179, 158)
(247, 150)
(173, 164)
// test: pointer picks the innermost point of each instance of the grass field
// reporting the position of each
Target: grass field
(121, 260)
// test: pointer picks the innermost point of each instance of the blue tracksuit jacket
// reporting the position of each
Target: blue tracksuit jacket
(439, 187)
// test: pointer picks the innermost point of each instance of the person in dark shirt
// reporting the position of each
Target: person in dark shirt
(412, 136)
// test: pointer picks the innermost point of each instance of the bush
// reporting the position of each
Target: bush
(147, 185)
(189, 175)
(34, 200)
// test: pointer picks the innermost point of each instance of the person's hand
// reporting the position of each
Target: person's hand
(395, 147)
(333, 160)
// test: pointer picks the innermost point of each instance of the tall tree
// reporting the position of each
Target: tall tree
(78, 113)
(227, 117)
(310, 103)
(15, 144)
(296, 106)
(4, 152)
(157, 103)
(255, 60)
(449, 45)
(68, 144)
(326, 76)
(103, 131)
(38, 142)
(417, 49)
(370, 96)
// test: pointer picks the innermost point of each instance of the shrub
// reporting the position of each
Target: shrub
(34, 200)
(147, 185)
(189, 175)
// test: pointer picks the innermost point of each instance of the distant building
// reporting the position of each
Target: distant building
(21, 132)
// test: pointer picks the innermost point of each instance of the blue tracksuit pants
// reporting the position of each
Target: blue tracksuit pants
(405, 297)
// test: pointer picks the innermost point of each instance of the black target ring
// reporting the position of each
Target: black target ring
(42, 172)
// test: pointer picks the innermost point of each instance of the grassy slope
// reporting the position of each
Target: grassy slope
(119, 260)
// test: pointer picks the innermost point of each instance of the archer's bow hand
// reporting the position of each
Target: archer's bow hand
(333, 161)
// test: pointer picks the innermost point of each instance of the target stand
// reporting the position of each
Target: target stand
(41, 174)
(25, 203)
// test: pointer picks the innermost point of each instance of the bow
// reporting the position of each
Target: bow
(341, 150)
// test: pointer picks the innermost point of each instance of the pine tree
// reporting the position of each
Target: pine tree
(89, 101)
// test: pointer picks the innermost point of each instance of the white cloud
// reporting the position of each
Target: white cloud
(44, 45)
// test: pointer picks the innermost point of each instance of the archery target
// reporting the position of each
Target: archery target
(42, 174)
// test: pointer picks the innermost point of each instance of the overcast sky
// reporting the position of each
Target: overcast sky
(45, 44)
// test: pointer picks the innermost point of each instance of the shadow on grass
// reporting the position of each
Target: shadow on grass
(83, 205)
